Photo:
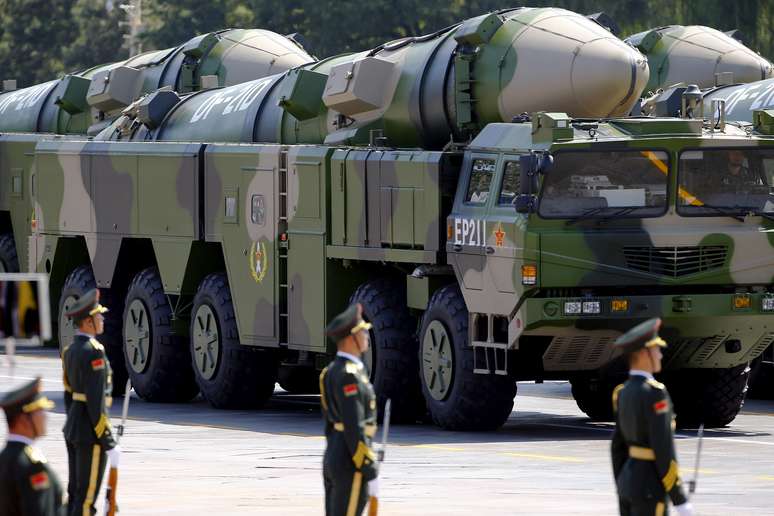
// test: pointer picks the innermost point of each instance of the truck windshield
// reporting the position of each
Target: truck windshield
(585, 184)
(731, 181)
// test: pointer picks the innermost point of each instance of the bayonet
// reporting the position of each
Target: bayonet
(692, 483)
(110, 495)
(373, 502)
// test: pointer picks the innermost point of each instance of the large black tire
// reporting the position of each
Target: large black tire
(238, 376)
(710, 396)
(594, 396)
(471, 401)
(299, 379)
(392, 358)
(157, 360)
(78, 282)
(761, 378)
(9, 261)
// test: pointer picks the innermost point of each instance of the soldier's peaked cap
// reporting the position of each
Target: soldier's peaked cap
(25, 399)
(348, 322)
(86, 306)
(644, 335)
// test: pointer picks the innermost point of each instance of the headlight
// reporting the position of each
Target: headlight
(592, 307)
(572, 307)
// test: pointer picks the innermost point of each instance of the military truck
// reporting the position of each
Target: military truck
(85, 102)
(521, 255)
(416, 91)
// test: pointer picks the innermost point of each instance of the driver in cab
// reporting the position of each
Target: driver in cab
(737, 171)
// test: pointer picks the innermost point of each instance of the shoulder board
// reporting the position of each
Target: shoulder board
(655, 384)
(35, 455)
(96, 345)
(352, 367)
(616, 392)
(40, 481)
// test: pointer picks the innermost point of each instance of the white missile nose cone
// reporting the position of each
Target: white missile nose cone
(745, 65)
(608, 76)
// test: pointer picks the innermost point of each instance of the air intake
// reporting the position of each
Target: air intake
(675, 262)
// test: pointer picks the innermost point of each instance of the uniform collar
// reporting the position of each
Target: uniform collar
(640, 372)
(16, 438)
(350, 357)
(84, 335)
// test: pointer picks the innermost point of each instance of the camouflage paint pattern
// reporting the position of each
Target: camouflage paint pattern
(694, 54)
(233, 55)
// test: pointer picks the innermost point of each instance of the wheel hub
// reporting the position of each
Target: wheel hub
(437, 360)
(206, 342)
(137, 339)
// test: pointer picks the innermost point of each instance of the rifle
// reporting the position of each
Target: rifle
(373, 502)
(692, 483)
(110, 495)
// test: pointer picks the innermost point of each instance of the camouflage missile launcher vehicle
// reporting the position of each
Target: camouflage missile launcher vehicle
(505, 266)
(87, 101)
(436, 89)
(682, 55)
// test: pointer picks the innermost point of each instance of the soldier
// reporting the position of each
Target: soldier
(643, 448)
(28, 487)
(88, 384)
(349, 409)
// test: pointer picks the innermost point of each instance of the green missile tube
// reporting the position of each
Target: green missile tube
(92, 98)
(422, 91)
(696, 55)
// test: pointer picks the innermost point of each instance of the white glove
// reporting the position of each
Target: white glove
(685, 509)
(373, 487)
(114, 456)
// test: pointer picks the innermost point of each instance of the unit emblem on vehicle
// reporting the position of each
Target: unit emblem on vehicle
(258, 261)
(499, 235)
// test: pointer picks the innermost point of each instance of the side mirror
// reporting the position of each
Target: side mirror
(529, 167)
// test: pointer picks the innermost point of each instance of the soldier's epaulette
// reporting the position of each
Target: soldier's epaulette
(352, 368)
(96, 345)
(616, 392)
(655, 384)
(35, 455)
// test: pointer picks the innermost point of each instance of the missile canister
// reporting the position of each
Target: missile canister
(742, 99)
(422, 91)
(694, 55)
(95, 96)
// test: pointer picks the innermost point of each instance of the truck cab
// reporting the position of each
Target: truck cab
(566, 233)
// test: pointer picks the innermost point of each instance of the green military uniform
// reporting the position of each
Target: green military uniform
(643, 450)
(349, 408)
(28, 486)
(87, 431)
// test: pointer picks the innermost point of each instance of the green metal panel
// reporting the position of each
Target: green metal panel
(249, 243)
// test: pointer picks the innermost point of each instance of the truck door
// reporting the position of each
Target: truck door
(505, 241)
(467, 228)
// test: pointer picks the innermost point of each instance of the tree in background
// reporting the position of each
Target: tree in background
(97, 38)
(34, 34)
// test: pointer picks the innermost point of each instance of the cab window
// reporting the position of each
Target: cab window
(510, 186)
(480, 181)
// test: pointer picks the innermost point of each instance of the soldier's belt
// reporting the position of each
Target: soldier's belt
(79, 396)
(370, 428)
(641, 453)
